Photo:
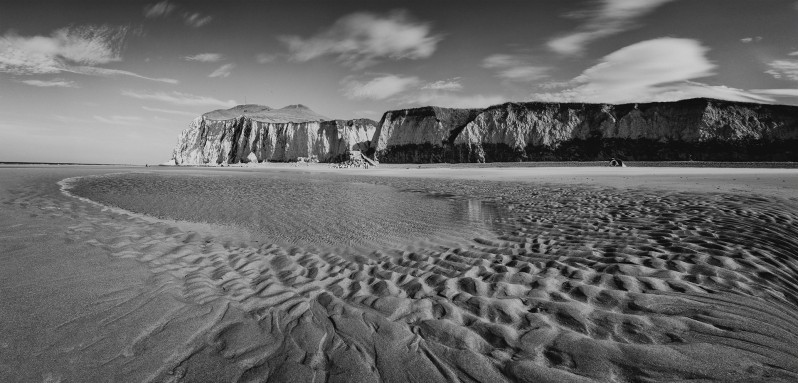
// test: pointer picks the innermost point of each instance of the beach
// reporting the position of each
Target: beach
(398, 273)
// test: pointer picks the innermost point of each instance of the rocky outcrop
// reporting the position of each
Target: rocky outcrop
(699, 129)
(261, 134)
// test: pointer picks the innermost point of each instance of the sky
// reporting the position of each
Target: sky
(96, 81)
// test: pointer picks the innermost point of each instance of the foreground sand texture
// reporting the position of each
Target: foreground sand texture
(692, 278)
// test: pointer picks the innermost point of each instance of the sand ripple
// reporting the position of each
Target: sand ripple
(575, 284)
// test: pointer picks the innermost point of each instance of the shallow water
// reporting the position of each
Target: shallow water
(284, 209)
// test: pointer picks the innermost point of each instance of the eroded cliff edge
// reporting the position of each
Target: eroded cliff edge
(255, 133)
(699, 129)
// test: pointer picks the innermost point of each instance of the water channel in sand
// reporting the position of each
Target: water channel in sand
(287, 210)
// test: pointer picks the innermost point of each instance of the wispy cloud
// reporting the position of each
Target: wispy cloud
(748, 40)
(265, 58)
(119, 120)
(653, 70)
(179, 98)
(86, 45)
(514, 67)
(106, 72)
(161, 9)
(223, 71)
(196, 19)
(50, 83)
(783, 69)
(410, 90)
(363, 39)
(74, 49)
(378, 88)
(169, 111)
(452, 84)
(777, 92)
(451, 100)
(166, 8)
(368, 113)
(607, 18)
(205, 57)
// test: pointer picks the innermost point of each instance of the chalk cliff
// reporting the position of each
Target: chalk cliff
(256, 133)
(698, 129)
(701, 129)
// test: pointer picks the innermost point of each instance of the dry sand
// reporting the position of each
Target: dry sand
(591, 274)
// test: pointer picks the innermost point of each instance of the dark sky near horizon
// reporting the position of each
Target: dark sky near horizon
(116, 81)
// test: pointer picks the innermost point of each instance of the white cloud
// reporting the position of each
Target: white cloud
(781, 69)
(410, 90)
(119, 120)
(74, 49)
(451, 100)
(96, 71)
(691, 89)
(452, 84)
(608, 18)
(363, 39)
(86, 45)
(179, 98)
(50, 83)
(161, 9)
(556, 84)
(195, 19)
(223, 71)
(747, 40)
(513, 67)
(369, 113)
(265, 58)
(652, 70)
(205, 57)
(169, 111)
(165, 8)
(378, 88)
(777, 92)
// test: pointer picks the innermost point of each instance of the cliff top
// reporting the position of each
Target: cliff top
(438, 112)
(694, 102)
(290, 113)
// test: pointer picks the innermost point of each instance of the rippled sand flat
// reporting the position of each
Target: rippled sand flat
(456, 276)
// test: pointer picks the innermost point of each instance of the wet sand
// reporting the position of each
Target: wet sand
(579, 274)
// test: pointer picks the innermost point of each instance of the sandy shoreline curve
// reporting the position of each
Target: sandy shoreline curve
(591, 274)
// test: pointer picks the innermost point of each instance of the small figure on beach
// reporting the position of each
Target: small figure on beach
(616, 162)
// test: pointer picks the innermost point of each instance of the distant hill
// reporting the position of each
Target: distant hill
(290, 113)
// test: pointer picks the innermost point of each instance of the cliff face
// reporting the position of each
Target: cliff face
(248, 139)
(700, 129)
(416, 135)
